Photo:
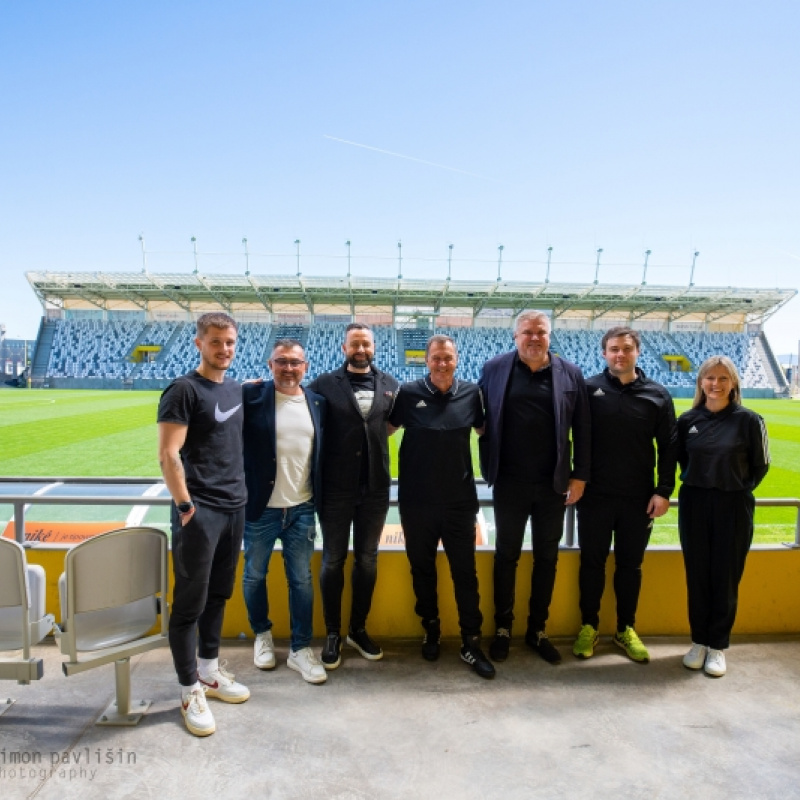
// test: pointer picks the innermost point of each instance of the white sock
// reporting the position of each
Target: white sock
(205, 666)
(187, 690)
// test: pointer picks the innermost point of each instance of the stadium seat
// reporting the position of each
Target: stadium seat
(23, 621)
(111, 592)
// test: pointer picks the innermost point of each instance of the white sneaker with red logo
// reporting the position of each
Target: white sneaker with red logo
(199, 720)
(221, 684)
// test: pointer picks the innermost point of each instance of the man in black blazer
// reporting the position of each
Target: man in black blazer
(534, 401)
(282, 464)
(355, 459)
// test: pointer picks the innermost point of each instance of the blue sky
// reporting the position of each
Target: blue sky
(669, 126)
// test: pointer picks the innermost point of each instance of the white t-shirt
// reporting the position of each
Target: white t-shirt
(294, 433)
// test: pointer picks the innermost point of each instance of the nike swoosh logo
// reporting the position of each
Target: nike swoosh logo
(222, 416)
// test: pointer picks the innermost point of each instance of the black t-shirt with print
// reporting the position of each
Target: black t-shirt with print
(212, 453)
(363, 386)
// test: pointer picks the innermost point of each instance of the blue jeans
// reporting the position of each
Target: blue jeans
(296, 529)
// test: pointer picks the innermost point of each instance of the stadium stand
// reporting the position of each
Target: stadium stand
(90, 349)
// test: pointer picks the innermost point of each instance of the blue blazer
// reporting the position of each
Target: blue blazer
(571, 407)
(260, 462)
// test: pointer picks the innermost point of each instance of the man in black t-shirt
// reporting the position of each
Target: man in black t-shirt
(355, 457)
(200, 452)
(437, 496)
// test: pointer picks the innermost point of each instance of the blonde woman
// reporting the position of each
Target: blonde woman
(723, 455)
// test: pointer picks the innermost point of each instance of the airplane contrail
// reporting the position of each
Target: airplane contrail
(408, 158)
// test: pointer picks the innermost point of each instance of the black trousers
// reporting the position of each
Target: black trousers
(716, 531)
(514, 503)
(366, 512)
(205, 553)
(423, 527)
(625, 519)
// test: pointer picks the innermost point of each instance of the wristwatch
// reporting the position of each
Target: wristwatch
(185, 508)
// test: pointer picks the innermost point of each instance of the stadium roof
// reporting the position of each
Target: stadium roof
(141, 290)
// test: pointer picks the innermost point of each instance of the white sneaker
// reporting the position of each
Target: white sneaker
(308, 665)
(715, 663)
(264, 651)
(220, 684)
(696, 657)
(199, 720)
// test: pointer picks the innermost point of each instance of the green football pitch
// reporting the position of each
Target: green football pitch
(105, 433)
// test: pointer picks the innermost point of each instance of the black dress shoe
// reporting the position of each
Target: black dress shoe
(543, 646)
(473, 655)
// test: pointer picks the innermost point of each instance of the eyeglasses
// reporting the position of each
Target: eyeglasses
(533, 334)
(294, 363)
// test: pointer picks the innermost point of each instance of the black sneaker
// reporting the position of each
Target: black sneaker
(498, 649)
(331, 655)
(472, 654)
(361, 641)
(543, 646)
(430, 644)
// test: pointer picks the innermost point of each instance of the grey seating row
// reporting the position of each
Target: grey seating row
(112, 592)
(97, 349)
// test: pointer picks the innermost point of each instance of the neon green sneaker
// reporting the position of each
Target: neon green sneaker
(632, 645)
(587, 640)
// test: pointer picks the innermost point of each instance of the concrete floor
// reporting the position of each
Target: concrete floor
(404, 728)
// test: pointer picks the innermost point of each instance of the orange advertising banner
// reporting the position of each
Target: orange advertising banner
(393, 535)
(62, 532)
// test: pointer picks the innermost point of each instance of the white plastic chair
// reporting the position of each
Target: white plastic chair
(23, 621)
(112, 590)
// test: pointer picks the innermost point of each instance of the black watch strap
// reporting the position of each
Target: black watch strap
(185, 508)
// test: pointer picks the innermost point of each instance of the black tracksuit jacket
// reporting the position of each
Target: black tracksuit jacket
(626, 418)
(726, 450)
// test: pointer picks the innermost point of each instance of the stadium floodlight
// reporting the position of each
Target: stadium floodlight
(246, 257)
(646, 258)
(499, 261)
(597, 267)
(348, 259)
(449, 260)
(194, 249)
(694, 261)
(297, 246)
(547, 274)
(144, 254)
(399, 261)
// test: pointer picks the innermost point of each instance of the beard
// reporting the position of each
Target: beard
(360, 360)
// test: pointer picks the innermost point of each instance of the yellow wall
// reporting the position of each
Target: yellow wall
(769, 600)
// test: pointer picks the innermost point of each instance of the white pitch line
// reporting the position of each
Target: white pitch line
(137, 512)
(44, 490)
(408, 158)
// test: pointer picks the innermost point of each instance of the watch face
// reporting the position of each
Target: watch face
(184, 508)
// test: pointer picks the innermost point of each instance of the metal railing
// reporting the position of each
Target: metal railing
(21, 500)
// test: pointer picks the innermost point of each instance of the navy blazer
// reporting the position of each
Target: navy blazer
(571, 408)
(344, 432)
(260, 462)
